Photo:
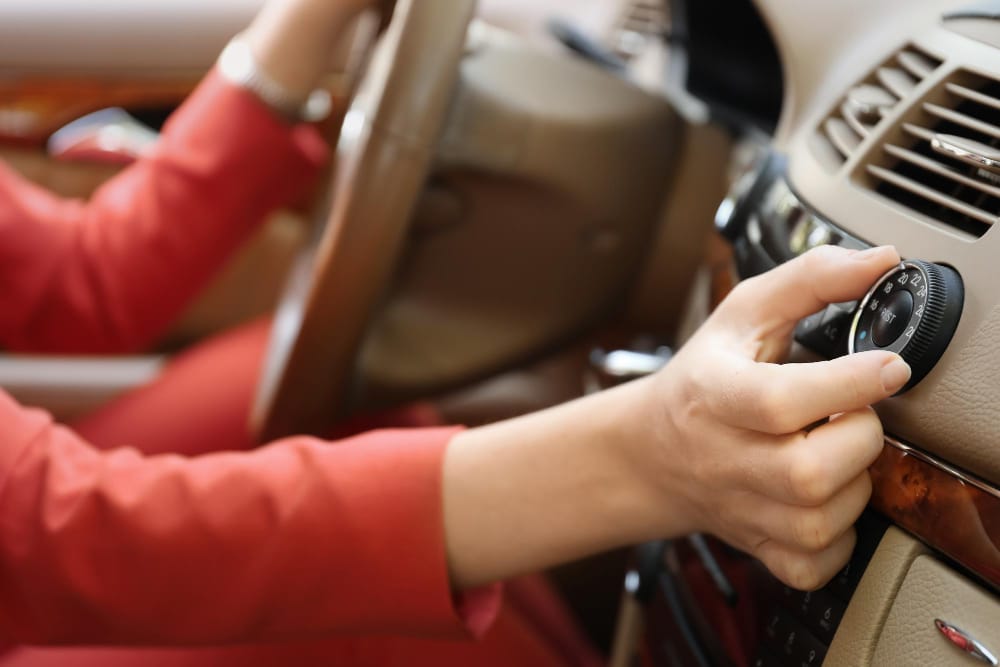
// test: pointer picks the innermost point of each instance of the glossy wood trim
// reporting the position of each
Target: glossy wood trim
(946, 508)
(33, 108)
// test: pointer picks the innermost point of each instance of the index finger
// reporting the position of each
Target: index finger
(779, 399)
(800, 287)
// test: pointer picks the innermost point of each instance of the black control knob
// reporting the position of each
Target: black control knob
(913, 311)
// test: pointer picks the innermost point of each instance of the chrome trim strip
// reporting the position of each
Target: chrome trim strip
(931, 460)
(966, 150)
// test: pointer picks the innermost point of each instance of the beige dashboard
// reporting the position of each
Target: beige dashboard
(826, 49)
(878, 98)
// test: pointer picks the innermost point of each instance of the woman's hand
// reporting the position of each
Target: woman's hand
(720, 441)
(293, 41)
(737, 444)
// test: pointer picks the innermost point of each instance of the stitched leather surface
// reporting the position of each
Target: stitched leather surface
(856, 639)
(955, 413)
(930, 591)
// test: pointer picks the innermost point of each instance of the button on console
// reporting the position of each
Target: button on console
(892, 317)
(913, 311)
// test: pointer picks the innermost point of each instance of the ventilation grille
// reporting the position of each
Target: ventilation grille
(921, 168)
(865, 105)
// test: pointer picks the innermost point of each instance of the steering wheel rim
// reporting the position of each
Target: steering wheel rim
(383, 156)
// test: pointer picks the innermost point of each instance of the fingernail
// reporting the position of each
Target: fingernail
(895, 374)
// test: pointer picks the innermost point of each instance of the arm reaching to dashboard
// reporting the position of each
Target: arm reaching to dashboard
(720, 441)
(304, 539)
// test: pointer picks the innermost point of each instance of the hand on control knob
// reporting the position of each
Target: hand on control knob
(912, 310)
(720, 441)
(738, 448)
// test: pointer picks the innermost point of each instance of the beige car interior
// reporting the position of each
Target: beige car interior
(501, 207)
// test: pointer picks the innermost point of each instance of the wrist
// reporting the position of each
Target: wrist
(554, 486)
(649, 455)
(238, 66)
(293, 41)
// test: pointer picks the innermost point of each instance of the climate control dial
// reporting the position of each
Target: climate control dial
(913, 311)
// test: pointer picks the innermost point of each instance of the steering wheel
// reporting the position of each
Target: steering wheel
(382, 159)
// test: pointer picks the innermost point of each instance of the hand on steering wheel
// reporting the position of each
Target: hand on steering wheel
(382, 160)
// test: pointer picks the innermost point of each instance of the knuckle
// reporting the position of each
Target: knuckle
(693, 393)
(874, 426)
(808, 481)
(866, 488)
(859, 492)
(745, 290)
(817, 266)
(858, 388)
(739, 297)
(774, 405)
(803, 573)
(698, 384)
(820, 257)
(866, 429)
(814, 530)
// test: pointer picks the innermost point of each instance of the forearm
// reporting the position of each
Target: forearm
(526, 494)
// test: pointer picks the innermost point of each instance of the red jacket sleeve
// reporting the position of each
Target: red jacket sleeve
(295, 540)
(108, 275)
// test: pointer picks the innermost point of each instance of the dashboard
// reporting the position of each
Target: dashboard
(892, 186)
(889, 133)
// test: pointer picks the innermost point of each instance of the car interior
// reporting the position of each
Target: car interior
(552, 196)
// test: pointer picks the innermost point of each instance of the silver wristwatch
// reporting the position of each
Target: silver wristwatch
(238, 66)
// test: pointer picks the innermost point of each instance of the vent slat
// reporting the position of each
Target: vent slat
(916, 64)
(896, 81)
(840, 134)
(924, 168)
(973, 95)
(941, 170)
(961, 119)
(919, 132)
(871, 99)
(849, 113)
(931, 194)
(876, 97)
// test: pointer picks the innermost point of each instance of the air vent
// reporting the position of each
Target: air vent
(945, 161)
(864, 106)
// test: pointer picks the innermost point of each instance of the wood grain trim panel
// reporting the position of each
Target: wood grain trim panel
(950, 511)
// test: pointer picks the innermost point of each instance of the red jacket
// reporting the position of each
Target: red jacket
(296, 539)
